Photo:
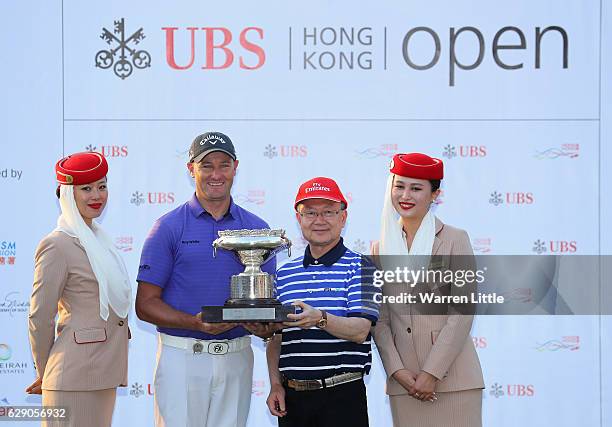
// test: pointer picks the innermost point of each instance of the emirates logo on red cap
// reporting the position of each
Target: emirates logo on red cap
(317, 187)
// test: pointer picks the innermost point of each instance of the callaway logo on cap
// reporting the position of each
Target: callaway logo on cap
(210, 142)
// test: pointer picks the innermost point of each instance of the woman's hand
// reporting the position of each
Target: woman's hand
(35, 387)
(406, 378)
(424, 387)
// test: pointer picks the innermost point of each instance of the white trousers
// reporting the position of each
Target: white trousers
(202, 390)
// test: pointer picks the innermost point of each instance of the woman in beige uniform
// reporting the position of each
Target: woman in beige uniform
(434, 377)
(80, 274)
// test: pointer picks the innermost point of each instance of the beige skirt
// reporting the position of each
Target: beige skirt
(84, 408)
(456, 409)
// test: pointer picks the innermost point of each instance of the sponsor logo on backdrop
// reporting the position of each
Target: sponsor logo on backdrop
(8, 252)
(218, 48)
(482, 245)
(137, 390)
(554, 246)
(512, 390)
(426, 39)
(259, 388)
(10, 173)
(363, 246)
(511, 198)
(5, 352)
(137, 198)
(480, 342)
(360, 246)
(464, 151)
(109, 151)
(8, 365)
(342, 48)
(272, 151)
(570, 151)
(123, 55)
(12, 303)
(252, 197)
(152, 198)
(375, 152)
(567, 343)
(124, 243)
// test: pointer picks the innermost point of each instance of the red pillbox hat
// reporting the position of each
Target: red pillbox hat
(81, 168)
(417, 165)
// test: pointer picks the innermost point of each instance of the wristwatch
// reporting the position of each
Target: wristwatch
(322, 322)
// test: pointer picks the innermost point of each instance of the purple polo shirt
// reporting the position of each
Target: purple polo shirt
(177, 256)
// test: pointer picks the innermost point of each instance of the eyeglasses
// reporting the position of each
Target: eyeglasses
(326, 214)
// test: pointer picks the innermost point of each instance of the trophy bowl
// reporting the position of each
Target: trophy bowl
(252, 291)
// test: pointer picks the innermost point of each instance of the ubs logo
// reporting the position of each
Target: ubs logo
(109, 151)
(152, 198)
(554, 246)
(272, 151)
(451, 151)
(511, 198)
(122, 54)
(512, 390)
(218, 43)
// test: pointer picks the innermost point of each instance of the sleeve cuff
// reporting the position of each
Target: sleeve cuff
(370, 317)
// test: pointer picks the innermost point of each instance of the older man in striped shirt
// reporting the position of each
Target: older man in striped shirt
(317, 364)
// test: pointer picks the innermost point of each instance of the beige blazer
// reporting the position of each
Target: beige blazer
(436, 343)
(88, 353)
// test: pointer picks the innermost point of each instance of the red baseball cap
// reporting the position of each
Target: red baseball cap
(320, 188)
(81, 168)
(417, 165)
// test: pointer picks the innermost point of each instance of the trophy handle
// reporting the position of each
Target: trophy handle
(288, 243)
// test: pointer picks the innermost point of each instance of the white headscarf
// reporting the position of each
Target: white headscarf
(107, 265)
(393, 239)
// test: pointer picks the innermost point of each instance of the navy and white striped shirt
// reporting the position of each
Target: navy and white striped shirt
(332, 283)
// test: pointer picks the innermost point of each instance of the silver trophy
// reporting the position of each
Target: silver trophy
(252, 291)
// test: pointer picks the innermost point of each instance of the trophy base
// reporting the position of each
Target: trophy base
(236, 312)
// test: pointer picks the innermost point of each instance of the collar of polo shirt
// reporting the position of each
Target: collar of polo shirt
(328, 259)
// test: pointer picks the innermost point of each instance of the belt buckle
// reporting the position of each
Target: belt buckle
(218, 348)
(198, 347)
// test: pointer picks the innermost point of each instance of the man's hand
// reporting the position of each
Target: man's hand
(424, 386)
(306, 319)
(35, 387)
(215, 328)
(276, 401)
(262, 330)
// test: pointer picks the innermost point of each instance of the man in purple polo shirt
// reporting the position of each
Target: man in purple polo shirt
(204, 371)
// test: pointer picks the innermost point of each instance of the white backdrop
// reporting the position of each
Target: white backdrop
(535, 138)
